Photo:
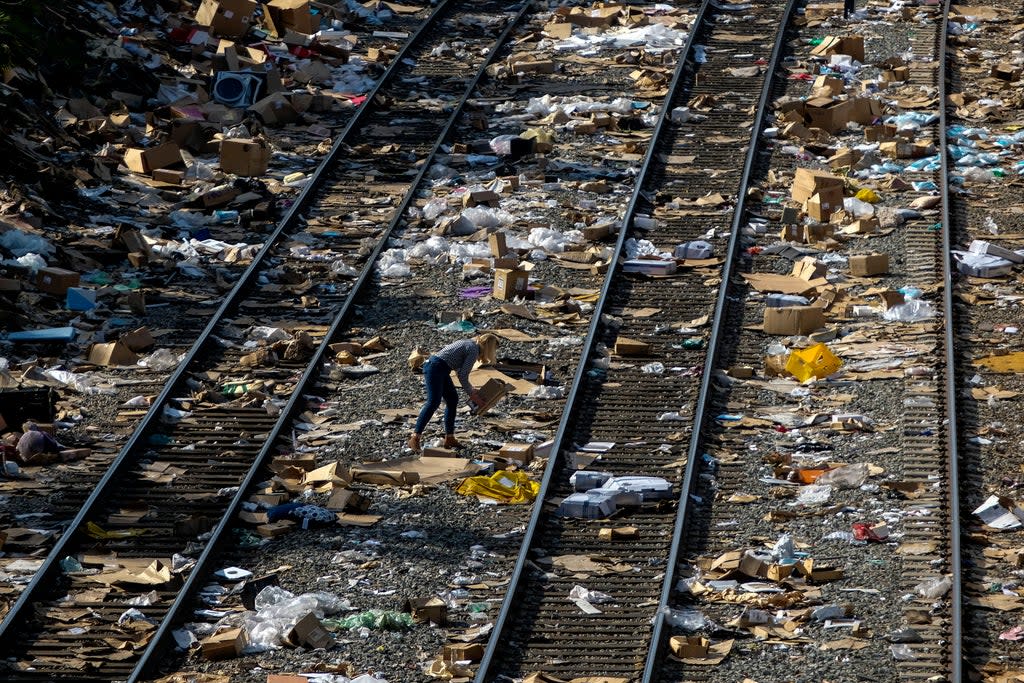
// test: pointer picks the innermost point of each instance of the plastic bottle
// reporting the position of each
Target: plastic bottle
(225, 215)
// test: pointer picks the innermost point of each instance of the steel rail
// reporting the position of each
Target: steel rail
(314, 369)
(692, 457)
(494, 641)
(956, 597)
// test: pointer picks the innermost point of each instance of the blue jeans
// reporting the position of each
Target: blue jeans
(437, 378)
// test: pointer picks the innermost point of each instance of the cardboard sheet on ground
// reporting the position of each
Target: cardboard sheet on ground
(480, 376)
(513, 335)
(783, 284)
(1010, 362)
(155, 574)
(404, 471)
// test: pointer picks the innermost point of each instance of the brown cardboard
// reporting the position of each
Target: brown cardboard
(809, 268)
(497, 243)
(631, 347)
(829, 114)
(809, 182)
(229, 18)
(224, 645)
(1006, 72)
(309, 631)
(492, 391)
(430, 609)
(462, 652)
(621, 533)
(869, 264)
(275, 109)
(169, 175)
(823, 204)
(140, 160)
(544, 66)
(244, 157)
(844, 45)
(520, 452)
(347, 499)
(293, 14)
(509, 284)
(56, 281)
(275, 529)
(286, 678)
(478, 197)
(112, 354)
(138, 339)
(793, 320)
(831, 83)
(689, 647)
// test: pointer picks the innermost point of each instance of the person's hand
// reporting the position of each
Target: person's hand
(476, 398)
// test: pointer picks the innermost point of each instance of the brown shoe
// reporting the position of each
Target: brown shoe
(414, 443)
(451, 442)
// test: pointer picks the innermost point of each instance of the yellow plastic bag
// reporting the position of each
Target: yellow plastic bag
(816, 361)
(869, 196)
(502, 486)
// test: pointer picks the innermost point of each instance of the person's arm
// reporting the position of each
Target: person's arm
(471, 354)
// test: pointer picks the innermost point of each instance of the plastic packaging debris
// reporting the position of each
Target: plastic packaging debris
(814, 494)
(981, 265)
(374, 619)
(1000, 513)
(593, 504)
(502, 486)
(278, 610)
(934, 588)
(846, 477)
(689, 620)
(913, 310)
(546, 393)
(394, 263)
(653, 368)
(585, 599)
(902, 653)
(815, 361)
(160, 360)
(648, 488)
(583, 480)
(697, 249)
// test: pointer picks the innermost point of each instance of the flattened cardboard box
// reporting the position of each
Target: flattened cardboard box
(309, 631)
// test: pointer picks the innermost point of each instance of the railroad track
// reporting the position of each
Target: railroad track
(615, 401)
(186, 467)
(921, 432)
(984, 309)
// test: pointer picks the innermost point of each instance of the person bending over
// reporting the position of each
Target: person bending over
(457, 357)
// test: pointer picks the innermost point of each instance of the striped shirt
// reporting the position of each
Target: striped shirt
(460, 357)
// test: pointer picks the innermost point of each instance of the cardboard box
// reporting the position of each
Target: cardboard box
(809, 182)
(689, 647)
(229, 18)
(275, 529)
(498, 244)
(828, 113)
(509, 284)
(544, 66)
(274, 109)
(244, 157)
(138, 339)
(430, 609)
(56, 281)
(862, 226)
(823, 204)
(831, 83)
(520, 452)
(1006, 72)
(879, 133)
(631, 347)
(661, 267)
(145, 161)
(619, 533)
(869, 264)
(224, 645)
(294, 15)
(170, 176)
(793, 320)
(463, 652)
(840, 45)
(309, 631)
(491, 392)
(478, 197)
(286, 678)
(809, 268)
(112, 354)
